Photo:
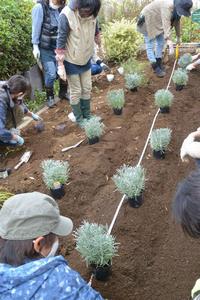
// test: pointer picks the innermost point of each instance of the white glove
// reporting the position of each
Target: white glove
(36, 117)
(61, 72)
(36, 52)
(190, 67)
(15, 131)
(171, 47)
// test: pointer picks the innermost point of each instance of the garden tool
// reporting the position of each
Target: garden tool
(73, 146)
(177, 51)
(24, 159)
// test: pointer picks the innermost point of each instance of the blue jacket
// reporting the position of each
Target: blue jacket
(44, 279)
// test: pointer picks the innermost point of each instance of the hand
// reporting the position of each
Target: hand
(36, 52)
(61, 72)
(104, 67)
(190, 67)
(171, 47)
(178, 40)
(15, 131)
(17, 140)
(60, 55)
(36, 117)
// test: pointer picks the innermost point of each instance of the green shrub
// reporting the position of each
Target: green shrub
(94, 244)
(93, 127)
(133, 81)
(180, 77)
(55, 171)
(15, 37)
(121, 40)
(130, 180)
(116, 98)
(160, 139)
(163, 98)
(38, 102)
(116, 10)
(185, 60)
(189, 31)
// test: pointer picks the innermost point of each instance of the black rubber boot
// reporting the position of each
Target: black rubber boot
(50, 97)
(160, 64)
(158, 70)
(77, 111)
(63, 94)
(85, 107)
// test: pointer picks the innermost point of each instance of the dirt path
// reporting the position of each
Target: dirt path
(155, 260)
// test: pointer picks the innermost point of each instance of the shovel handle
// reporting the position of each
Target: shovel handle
(18, 165)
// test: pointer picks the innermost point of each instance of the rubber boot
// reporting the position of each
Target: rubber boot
(76, 108)
(160, 64)
(158, 70)
(85, 107)
(63, 90)
(50, 97)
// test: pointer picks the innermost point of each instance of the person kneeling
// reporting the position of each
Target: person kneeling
(12, 110)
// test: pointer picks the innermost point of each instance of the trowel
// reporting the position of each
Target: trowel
(24, 159)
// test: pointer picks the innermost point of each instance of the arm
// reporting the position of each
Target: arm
(177, 26)
(190, 146)
(166, 15)
(37, 21)
(5, 135)
(63, 33)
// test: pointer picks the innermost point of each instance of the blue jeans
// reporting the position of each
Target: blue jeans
(7, 144)
(50, 66)
(150, 45)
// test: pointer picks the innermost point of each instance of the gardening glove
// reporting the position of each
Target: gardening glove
(196, 289)
(171, 47)
(190, 67)
(61, 72)
(104, 67)
(36, 117)
(15, 131)
(17, 139)
(190, 147)
(178, 40)
(36, 52)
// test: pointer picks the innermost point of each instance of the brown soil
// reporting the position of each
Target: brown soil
(156, 261)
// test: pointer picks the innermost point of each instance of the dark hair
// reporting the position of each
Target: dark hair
(18, 84)
(16, 252)
(94, 6)
(186, 205)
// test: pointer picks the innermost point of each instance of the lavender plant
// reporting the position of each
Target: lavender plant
(130, 180)
(94, 244)
(160, 139)
(55, 171)
(116, 98)
(163, 98)
(94, 127)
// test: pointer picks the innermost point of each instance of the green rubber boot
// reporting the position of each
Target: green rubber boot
(85, 107)
(76, 108)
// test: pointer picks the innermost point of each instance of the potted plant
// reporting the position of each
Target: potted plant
(94, 128)
(163, 99)
(185, 60)
(116, 100)
(159, 141)
(133, 81)
(131, 182)
(55, 175)
(180, 78)
(97, 248)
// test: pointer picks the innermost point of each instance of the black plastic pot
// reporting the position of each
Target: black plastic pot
(39, 126)
(117, 111)
(58, 193)
(93, 140)
(134, 89)
(179, 87)
(164, 110)
(159, 154)
(101, 273)
(136, 201)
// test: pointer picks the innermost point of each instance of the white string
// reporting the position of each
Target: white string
(142, 155)
(139, 162)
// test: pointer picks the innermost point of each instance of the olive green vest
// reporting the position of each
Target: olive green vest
(80, 42)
